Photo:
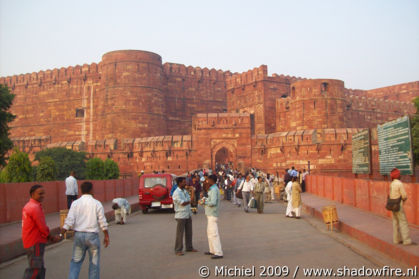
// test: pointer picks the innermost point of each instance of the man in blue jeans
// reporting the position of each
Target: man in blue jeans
(86, 216)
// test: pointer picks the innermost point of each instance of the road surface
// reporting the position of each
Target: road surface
(144, 247)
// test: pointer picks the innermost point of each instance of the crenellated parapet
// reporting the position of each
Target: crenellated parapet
(182, 71)
(54, 76)
(242, 79)
(305, 137)
(221, 120)
(260, 73)
(379, 105)
(31, 144)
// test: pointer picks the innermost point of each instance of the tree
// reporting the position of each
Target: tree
(111, 169)
(3, 175)
(95, 169)
(46, 170)
(415, 130)
(19, 168)
(65, 160)
(6, 99)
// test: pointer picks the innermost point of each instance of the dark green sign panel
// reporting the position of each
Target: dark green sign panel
(395, 146)
(361, 155)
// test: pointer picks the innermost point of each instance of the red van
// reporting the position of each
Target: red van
(154, 191)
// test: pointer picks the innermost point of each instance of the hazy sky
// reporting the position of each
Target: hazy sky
(366, 43)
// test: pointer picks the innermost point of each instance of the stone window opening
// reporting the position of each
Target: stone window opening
(79, 113)
(293, 92)
(324, 87)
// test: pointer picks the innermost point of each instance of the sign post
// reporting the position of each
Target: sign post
(361, 152)
(395, 146)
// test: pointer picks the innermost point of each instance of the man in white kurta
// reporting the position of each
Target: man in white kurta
(288, 191)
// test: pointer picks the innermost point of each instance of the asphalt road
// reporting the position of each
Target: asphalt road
(144, 247)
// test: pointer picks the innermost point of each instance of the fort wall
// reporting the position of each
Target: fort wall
(255, 92)
(191, 90)
(404, 92)
(152, 116)
(325, 104)
(46, 103)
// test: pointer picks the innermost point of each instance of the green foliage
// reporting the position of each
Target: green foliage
(19, 168)
(111, 169)
(46, 171)
(415, 131)
(65, 160)
(3, 175)
(95, 169)
(6, 99)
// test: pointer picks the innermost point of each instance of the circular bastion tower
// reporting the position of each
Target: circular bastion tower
(317, 104)
(132, 97)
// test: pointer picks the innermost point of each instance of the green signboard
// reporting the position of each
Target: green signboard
(361, 154)
(395, 146)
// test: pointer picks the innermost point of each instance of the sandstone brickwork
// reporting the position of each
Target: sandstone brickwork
(149, 115)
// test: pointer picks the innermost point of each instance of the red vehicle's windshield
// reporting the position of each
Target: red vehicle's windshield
(150, 182)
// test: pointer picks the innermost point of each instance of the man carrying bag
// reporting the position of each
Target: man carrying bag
(395, 202)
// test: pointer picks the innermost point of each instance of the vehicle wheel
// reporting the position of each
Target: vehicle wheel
(145, 210)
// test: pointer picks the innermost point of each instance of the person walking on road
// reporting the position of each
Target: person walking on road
(183, 216)
(288, 192)
(212, 209)
(71, 188)
(86, 216)
(259, 190)
(238, 181)
(247, 187)
(121, 208)
(296, 197)
(400, 225)
(35, 233)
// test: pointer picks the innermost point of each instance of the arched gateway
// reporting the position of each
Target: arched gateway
(223, 153)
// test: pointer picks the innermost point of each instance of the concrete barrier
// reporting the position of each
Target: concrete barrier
(13, 196)
(369, 195)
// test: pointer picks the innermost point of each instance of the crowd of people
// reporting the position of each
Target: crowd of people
(248, 190)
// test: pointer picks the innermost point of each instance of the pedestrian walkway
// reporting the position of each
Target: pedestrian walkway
(10, 233)
(375, 231)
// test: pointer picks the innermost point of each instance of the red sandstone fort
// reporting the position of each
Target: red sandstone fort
(152, 116)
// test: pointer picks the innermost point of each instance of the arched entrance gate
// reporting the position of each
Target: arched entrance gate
(223, 153)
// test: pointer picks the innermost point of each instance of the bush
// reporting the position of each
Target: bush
(111, 169)
(3, 175)
(46, 170)
(65, 160)
(19, 168)
(95, 169)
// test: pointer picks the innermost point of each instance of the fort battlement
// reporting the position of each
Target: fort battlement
(260, 73)
(404, 92)
(241, 79)
(180, 70)
(221, 120)
(305, 137)
(52, 76)
(376, 104)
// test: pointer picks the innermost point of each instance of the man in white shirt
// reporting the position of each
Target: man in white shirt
(71, 189)
(86, 217)
(247, 187)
